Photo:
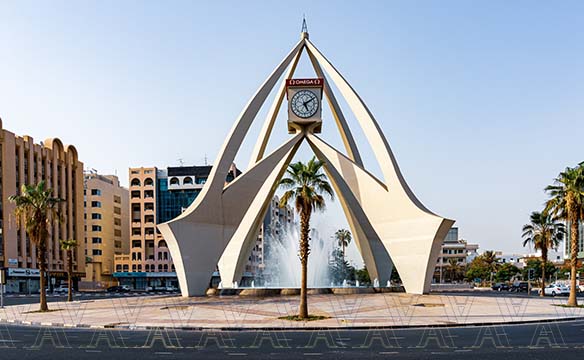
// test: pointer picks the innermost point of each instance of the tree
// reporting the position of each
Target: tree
(483, 266)
(544, 233)
(537, 266)
(567, 202)
(37, 209)
(344, 238)
(340, 269)
(454, 269)
(69, 246)
(506, 272)
(363, 276)
(305, 184)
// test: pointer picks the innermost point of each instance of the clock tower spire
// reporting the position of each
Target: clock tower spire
(304, 31)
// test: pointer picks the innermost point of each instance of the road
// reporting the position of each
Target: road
(563, 340)
(14, 299)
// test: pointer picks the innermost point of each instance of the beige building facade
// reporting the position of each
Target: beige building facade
(22, 161)
(107, 224)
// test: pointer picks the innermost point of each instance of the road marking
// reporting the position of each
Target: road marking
(237, 354)
(388, 352)
(312, 354)
(93, 351)
(163, 353)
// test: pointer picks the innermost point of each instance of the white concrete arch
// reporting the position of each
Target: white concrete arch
(390, 225)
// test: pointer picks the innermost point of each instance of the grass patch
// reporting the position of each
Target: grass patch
(41, 312)
(309, 318)
(568, 306)
(428, 305)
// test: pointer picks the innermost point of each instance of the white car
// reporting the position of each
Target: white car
(557, 289)
(61, 289)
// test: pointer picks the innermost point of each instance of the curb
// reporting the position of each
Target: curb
(289, 329)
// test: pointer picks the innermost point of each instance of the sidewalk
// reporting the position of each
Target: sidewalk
(344, 311)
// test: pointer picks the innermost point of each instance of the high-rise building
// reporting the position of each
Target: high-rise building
(22, 162)
(568, 241)
(156, 196)
(107, 224)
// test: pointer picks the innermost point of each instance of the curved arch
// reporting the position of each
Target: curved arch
(162, 243)
(72, 153)
(135, 182)
(188, 180)
(148, 182)
(57, 147)
(174, 181)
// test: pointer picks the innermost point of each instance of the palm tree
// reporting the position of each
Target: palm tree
(544, 233)
(37, 209)
(344, 238)
(69, 246)
(454, 268)
(305, 184)
(567, 202)
(491, 262)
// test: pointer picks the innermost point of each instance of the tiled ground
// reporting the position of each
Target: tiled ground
(361, 310)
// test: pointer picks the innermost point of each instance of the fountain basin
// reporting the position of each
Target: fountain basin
(259, 292)
(352, 290)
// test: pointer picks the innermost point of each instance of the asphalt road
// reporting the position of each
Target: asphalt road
(14, 299)
(563, 340)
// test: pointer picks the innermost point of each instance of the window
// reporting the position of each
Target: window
(135, 194)
(117, 221)
(136, 243)
(95, 192)
(117, 199)
(117, 210)
(126, 268)
(162, 243)
(148, 182)
(135, 182)
(136, 231)
(117, 232)
(174, 181)
(133, 267)
(166, 267)
(96, 252)
(95, 228)
(96, 216)
(96, 240)
(118, 268)
(96, 204)
(139, 267)
(148, 194)
(188, 180)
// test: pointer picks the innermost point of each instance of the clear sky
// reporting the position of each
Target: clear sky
(482, 101)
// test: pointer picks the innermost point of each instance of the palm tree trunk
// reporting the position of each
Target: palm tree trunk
(572, 301)
(544, 257)
(304, 252)
(42, 263)
(70, 275)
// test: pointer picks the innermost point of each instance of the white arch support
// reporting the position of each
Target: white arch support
(390, 225)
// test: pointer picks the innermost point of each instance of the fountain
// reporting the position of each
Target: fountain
(220, 286)
(284, 265)
(253, 284)
(345, 283)
(356, 283)
(235, 285)
(388, 283)
(376, 283)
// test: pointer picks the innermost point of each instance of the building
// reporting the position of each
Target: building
(107, 228)
(22, 162)
(567, 246)
(454, 248)
(513, 259)
(156, 196)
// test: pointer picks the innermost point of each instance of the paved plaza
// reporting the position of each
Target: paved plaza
(343, 311)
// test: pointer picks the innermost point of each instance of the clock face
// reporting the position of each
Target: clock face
(304, 104)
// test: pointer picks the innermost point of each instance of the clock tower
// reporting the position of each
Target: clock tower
(304, 104)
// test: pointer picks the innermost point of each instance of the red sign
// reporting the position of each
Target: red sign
(305, 82)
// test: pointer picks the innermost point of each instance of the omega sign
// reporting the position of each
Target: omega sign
(304, 103)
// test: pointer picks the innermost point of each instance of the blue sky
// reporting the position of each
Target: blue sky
(482, 102)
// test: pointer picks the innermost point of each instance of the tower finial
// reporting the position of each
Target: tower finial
(304, 32)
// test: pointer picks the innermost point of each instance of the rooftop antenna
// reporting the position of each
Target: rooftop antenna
(304, 32)
(181, 162)
(206, 160)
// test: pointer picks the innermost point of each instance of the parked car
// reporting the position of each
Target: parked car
(556, 289)
(61, 289)
(521, 286)
(500, 287)
(118, 289)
